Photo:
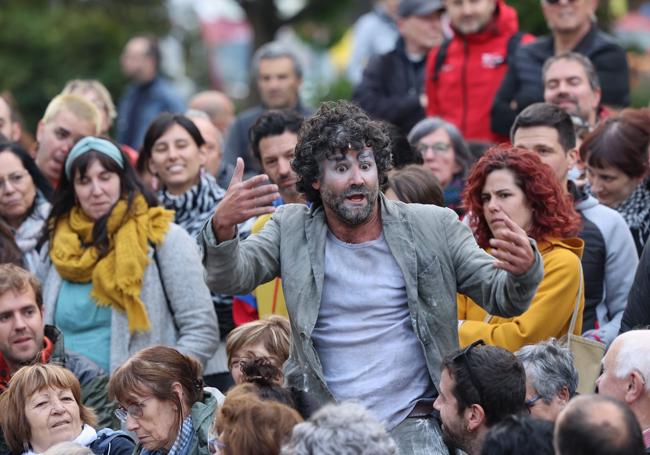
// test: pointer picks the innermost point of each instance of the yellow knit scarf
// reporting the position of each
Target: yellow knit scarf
(117, 277)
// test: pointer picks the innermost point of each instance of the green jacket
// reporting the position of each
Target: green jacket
(202, 418)
(437, 254)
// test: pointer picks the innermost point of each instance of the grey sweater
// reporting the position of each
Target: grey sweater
(187, 322)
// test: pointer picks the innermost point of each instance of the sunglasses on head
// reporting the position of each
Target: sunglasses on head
(463, 357)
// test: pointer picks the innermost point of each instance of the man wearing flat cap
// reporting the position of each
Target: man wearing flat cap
(392, 84)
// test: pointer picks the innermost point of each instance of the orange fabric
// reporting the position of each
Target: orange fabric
(5, 372)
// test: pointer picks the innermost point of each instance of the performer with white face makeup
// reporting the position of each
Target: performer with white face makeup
(370, 284)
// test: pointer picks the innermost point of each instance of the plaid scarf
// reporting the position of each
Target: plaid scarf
(183, 440)
(636, 212)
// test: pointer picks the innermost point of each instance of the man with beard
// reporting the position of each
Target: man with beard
(25, 339)
(571, 82)
(370, 284)
(573, 29)
(479, 387)
(273, 141)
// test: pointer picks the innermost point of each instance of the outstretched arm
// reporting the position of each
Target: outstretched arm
(243, 200)
(503, 284)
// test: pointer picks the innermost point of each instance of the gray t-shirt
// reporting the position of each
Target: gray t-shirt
(364, 336)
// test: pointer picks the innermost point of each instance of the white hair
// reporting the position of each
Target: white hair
(634, 354)
(343, 429)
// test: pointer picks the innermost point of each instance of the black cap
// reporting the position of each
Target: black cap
(408, 8)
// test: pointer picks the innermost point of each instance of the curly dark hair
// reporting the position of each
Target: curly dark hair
(334, 129)
(273, 123)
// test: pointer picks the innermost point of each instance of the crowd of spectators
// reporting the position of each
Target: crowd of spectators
(408, 272)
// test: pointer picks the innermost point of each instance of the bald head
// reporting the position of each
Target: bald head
(9, 127)
(217, 105)
(597, 425)
(212, 138)
(626, 373)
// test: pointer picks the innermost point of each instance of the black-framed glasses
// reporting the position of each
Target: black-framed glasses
(134, 410)
(464, 357)
(530, 403)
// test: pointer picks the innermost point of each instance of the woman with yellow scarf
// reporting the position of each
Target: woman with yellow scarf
(119, 275)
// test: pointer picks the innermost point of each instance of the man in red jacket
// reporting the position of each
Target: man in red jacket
(464, 73)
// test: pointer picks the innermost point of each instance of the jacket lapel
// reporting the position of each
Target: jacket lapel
(315, 231)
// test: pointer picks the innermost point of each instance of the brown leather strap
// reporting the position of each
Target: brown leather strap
(422, 408)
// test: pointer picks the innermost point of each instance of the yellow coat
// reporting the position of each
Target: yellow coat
(549, 314)
(269, 296)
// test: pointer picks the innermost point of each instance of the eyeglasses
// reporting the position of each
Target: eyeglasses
(16, 179)
(436, 148)
(530, 403)
(134, 410)
(555, 2)
(464, 357)
(215, 445)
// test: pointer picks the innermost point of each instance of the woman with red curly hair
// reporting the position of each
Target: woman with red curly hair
(513, 182)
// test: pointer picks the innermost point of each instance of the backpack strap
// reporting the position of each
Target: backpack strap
(162, 283)
(440, 58)
(106, 437)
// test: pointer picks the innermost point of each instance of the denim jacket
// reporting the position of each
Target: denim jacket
(435, 251)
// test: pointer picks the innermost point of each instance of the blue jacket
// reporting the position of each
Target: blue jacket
(111, 442)
(140, 105)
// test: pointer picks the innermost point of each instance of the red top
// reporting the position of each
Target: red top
(471, 74)
(5, 373)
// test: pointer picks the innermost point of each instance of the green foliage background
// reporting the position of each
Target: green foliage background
(43, 44)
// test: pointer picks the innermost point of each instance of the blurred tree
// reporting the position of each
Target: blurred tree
(266, 18)
(46, 43)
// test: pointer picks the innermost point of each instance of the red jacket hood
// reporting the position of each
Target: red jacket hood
(504, 22)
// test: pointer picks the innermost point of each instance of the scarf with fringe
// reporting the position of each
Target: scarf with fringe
(117, 277)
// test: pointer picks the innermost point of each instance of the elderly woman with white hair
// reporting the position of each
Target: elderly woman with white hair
(551, 377)
(342, 429)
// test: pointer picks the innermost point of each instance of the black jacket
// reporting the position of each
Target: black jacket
(523, 82)
(637, 311)
(391, 87)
